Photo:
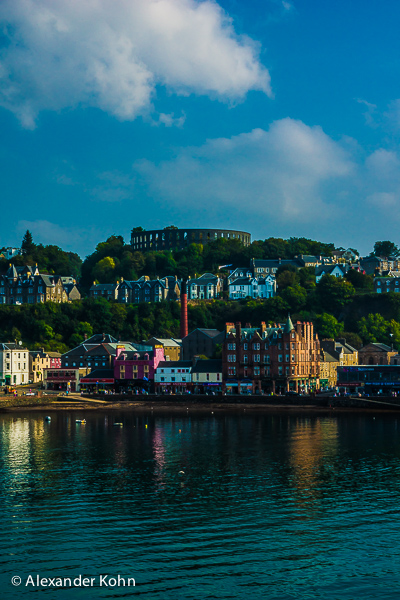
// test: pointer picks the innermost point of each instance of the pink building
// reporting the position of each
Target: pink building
(135, 368)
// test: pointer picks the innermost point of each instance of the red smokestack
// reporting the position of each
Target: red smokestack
(184, 315)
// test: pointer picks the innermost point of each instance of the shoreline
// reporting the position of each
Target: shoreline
(187, 406)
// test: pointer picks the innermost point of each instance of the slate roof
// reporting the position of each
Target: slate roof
(175, 364)
(12, 346)
(327, 269)
(381, 347)
(166, 341)
(242, 281)
(99, 374)
(98, 338)
(213, 365)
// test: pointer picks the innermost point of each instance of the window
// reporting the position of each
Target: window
(256, 358)
(280, 358)
(287, 358)
(231, 370)
(280, 370)
(231, 357)
(231, 346)
(279, 346)
(245, 358)
(172, 378)
(256, 371)
(293, 358)
(256, 346)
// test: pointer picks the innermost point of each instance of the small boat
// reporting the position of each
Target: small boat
(82, 421)
(47, 418)
(118, 424)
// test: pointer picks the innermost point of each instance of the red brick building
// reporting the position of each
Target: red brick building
(274, 358)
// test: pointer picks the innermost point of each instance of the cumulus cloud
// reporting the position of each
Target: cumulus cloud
(68, 238)
(287, 173)
(111, 54)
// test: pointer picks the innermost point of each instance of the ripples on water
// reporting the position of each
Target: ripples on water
(276, 507)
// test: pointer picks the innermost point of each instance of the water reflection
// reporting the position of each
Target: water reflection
(295, 505)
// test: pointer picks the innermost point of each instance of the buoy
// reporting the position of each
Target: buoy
(180, 431)
(146, 426)
(119, 424)
(181, 473)
(47, 418)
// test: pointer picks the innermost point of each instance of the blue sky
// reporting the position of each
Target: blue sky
(276, 117)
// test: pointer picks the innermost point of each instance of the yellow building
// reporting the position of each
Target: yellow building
(40, 360)
(335, 354)
(172, 348)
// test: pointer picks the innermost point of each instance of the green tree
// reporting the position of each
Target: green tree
(327, 326)
(104, 270)
(333, 293)
(27, 245)
(286, 278)
(385, 249)
(359, 280)
(295, 296)
(374, 328)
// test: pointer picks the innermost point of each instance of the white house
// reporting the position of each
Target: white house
(173, 376)
(14, 364)
(239, 273)
(244, 287)
(205, 287)
(334, 270)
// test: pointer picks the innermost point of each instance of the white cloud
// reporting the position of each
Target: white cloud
(283, 173)
(111, 54)
(67, 238)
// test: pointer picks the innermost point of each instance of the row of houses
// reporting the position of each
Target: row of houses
(26, 285)
(269, 358)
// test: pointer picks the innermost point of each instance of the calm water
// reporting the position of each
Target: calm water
(277, 507)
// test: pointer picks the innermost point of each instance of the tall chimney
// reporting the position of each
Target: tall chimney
(184, 314)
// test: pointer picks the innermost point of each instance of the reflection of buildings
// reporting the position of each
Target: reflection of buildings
(313, 444)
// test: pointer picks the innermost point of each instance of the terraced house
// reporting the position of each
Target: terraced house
(147, 290)
(25, 285)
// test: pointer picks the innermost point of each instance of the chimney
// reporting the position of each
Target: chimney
(263, 326)
(184, 314)
(238, 331)
(248, 325)
(195, 360)
(228, 327)
(119, 350)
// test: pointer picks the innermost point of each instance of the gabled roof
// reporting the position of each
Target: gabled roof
(98, 338)
(377, 346)
(243, 281)
(328, 357)
(104, 287)
(164, 341)
(327, 269)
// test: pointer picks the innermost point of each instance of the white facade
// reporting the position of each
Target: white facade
(252, 287)
(173, 373)
(206, 287)
(239, 273)
(14, 364)
(336, 271)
